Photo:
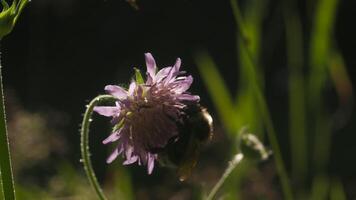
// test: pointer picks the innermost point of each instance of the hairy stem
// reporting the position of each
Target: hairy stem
(232, 165)
(84, 143)
(5, 159)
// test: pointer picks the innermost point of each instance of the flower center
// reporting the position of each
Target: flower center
(151, 120)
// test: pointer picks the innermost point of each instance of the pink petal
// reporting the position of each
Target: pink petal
(116, 91)
(107, 111)
(183, 85)
(173, 72)
(162, 73)
(113, 156)
(151, 67)
(150, 163)
(113, 137)
(130, 160)
(132, 88)
(188, 97)
(128, 152)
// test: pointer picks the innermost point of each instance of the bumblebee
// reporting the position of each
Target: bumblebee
(182, 151)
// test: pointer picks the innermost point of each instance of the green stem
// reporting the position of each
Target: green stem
(266, 116)
(84, 143)
(232, 165)
(5, 159)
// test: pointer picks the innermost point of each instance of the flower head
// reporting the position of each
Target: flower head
(145, 115)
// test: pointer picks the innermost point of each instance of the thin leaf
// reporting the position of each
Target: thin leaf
(297, 107)
(218, 90)
(320, 51)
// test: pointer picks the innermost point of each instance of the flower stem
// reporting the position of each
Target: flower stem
(5, 159)
(84, 143)
(261, 101)
(232, 165)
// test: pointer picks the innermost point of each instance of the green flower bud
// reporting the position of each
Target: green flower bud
(9, 15)
(252, 147)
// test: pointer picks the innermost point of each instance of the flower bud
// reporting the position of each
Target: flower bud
(252, 147)
(9, 15)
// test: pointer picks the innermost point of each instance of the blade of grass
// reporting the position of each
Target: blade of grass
(231, 119)
(122, 184)
(320, 49)
(320, 188)
(5, 158)
(218, 91)
(295, 60)
(253, 15)
(337, 191)
(1, 188)
(261, 102)
(247, 114)
(271, 134)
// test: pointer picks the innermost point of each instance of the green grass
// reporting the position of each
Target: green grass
(309, 122)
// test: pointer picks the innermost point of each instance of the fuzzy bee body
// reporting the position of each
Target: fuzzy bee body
(182, 151)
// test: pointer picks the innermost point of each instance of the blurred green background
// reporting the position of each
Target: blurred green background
(284, 69)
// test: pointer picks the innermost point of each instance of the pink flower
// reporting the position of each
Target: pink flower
(145, 115)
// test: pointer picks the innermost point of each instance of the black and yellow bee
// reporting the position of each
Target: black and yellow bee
(182, 151)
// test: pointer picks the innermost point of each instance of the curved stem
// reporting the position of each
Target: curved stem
(232, 165)
(84, 143)
(5, 158)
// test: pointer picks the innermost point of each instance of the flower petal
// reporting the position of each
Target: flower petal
(151, 67)
(107, 111)
(113, 137)
(128, 151)
(173, 72)
(130, 160)
(132, 88)
(116, 91)
(113, 156)
(150, 163)
(188, 97)
(183, 85)
(161, 74)
(177, 64)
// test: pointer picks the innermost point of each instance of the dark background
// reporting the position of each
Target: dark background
(62, 53)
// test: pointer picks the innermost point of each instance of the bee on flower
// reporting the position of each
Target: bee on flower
(157, 119)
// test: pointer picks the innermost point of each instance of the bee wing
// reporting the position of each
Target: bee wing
(190, 159)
